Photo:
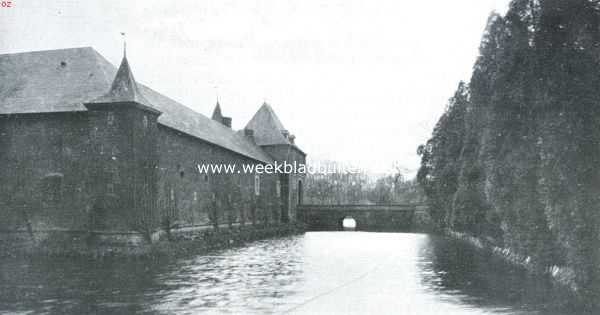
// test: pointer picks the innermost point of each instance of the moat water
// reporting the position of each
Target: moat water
(315, 273)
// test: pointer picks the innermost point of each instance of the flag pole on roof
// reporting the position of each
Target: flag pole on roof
(124, 44)
(217, 93)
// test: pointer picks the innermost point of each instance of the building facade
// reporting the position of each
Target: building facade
(84, 147)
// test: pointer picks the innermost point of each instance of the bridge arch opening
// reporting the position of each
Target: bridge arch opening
(348, 224)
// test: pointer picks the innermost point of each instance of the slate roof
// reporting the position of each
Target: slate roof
(124, 88)
(217, 115)
(267, 127)
(63, 80)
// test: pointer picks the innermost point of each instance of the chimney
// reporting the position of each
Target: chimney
(249, 133)
(227, 121)
(292, 138)
(285, 133)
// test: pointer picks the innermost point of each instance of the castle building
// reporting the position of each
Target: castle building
(84, 147)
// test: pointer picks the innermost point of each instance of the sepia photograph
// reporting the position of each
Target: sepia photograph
(300, 157)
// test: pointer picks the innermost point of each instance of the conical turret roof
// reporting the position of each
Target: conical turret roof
(217, 114)
(123, 88)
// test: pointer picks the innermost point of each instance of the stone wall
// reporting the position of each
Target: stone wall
(107, 244)
(77, 177)
(375, 218)
(294, 182)
(123, 160)
(190, 198)
(44, 171)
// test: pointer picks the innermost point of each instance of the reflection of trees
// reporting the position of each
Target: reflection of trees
(476, 278)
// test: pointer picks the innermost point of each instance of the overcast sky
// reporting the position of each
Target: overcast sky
(359, 81)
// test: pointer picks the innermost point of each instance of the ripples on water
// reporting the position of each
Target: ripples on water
(337, 272)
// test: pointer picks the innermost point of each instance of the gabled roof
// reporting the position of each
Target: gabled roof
(63, 80)
(267, 127)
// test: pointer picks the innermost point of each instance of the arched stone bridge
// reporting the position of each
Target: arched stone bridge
(380, 218)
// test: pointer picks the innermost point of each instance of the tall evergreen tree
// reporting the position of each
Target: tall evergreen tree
(523, 170)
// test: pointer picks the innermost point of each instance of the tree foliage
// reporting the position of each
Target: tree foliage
(361, 188)
(515, 156)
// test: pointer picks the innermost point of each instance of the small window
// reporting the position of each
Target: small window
(110, 119)
(257, 185)
(172, 194)
(180, 170)
(206, 178)
(110, 188)
(145, 121)
(195, 196)
(278, 188)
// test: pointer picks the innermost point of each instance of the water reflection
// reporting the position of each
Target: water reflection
(454, 272)
(316, 273)
(257, 279)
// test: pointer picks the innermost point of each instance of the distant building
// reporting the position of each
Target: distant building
(85, 147)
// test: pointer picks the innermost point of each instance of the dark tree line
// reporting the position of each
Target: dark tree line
(515, 158)
(361, 188)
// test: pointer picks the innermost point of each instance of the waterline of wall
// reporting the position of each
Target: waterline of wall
(129, 244)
